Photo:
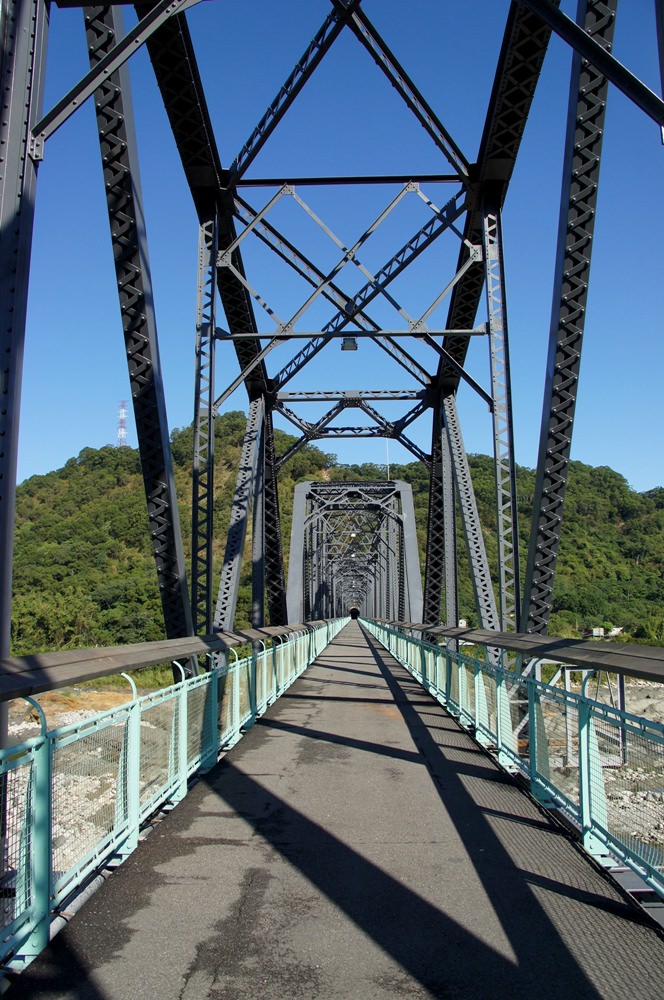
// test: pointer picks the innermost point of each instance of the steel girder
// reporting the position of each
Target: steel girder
(503, 437)
(23, 35)
(229, 583)
(485, 600)
(176, 71)
(585, 129)
(441, 553)
(203, 467)
(525, 43)
(125, 212)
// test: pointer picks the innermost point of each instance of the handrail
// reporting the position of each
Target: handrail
(133, 760)
(616, 658)
(22, 676)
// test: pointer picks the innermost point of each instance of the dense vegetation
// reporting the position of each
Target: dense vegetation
(84, 574)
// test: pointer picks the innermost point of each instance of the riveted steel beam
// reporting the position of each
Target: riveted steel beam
(594, 52)
(125, 212)
(229, 582)
(203, 465)
(23, 37)
(485, 600)
(585, 129)
(524, 46)
(503, 436)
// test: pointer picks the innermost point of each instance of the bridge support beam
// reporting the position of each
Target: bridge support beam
(203, 468)
(501, 393)
(23, 37)
(585, 129)
(125, 211)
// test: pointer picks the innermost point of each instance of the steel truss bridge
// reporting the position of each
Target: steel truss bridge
(470, 216)
(461, 206)
(353, 546)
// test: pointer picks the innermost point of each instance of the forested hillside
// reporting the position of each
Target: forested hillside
(84, 574)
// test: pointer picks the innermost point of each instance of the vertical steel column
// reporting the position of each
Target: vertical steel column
(585, 127)
(275, 583)
(403, 609)
(449, 531)
(391, 568)
(203, 469)
(23, 33)
(229, 582)
(295, 592)
(411, 558)
(441, 555)
(126, 217)
(435, 551)
(485, 600)
(503, 436)
(258, 540)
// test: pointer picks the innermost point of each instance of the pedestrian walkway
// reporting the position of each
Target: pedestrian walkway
(355, 844)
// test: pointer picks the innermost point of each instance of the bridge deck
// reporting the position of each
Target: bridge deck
(355, 844)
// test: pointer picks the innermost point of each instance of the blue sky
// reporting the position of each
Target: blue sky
(349, 120)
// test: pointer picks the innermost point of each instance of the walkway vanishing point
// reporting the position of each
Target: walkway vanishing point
(355, 844)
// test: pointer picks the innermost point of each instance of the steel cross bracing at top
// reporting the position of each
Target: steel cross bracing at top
(332, 289)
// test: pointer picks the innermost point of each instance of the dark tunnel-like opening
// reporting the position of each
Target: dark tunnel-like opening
(354, 613)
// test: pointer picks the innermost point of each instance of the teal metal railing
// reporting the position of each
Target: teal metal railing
(603, 767)
(73, 800)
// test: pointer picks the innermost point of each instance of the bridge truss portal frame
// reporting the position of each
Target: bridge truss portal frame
(472, 213)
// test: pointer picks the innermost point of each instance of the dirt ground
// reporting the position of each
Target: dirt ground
(61, 708)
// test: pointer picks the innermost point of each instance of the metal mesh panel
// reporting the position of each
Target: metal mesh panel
(467, 693)
(453, 693)
(159, 741)
(558, 756)
(514, 718)
(89, 791)
(222, 707)
(627, 797)
(196, 704)
(16, 792)
(486, 704)
(245, 690)
(225, 709)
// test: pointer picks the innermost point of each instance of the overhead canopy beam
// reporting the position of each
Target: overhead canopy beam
(596, 54)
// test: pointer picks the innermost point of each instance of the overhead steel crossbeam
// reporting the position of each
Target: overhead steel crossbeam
(361, 541)
(321, 429)
(442, 221)
(305, 66)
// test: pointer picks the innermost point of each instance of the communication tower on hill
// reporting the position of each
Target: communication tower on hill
(122, 424)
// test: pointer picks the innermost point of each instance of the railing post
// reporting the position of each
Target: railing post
(209, 758)
(591, 782)
(41, 848)
(538, 751)
(181, 749)
(133, 775)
